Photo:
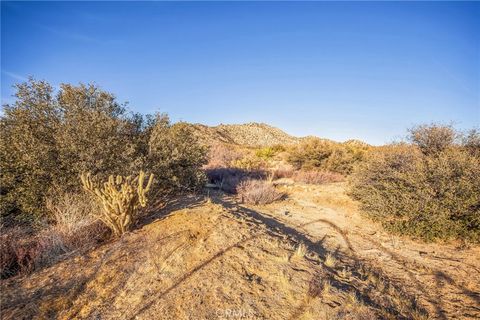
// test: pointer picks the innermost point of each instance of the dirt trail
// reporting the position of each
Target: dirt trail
(444, 278)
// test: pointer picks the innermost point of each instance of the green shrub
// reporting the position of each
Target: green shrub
(265, 153)
(249, 163)
(175, 157)
(428, 189)
(315, 153)
(48, 140)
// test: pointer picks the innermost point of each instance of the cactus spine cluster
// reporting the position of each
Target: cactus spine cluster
(120, 198)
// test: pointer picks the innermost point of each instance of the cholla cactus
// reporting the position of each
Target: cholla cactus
(120, 197)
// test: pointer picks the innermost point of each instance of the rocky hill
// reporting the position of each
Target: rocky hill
(250, 134)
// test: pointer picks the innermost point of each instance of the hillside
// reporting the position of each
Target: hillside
(249, 134)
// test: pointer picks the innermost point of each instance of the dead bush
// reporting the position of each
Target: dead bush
(471, 142)
(15, 254)
(317, 177)
(258, 192)
(75, 221)
(228, 179)
(23, 250)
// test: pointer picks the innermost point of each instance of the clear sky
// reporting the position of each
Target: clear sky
(342, 70)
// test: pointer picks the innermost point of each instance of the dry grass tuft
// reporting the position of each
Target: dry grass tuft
(317, 177)
(73, 228)
(345, 274)
(301, 250)
(330, 261)
(258, 192)
(326, 289)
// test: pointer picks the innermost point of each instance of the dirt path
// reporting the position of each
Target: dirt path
(444, 278)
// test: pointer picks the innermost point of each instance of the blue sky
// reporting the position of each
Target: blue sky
(342, 70)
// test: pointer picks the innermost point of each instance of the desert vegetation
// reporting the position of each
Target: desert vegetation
(120, 197)
(258, 192)
(80, 172)
(49, 139)
(321, 154)
(427, 188)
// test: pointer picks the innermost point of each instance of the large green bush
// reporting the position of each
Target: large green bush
(48, 140)
(315, 153)
(175, 156)
(427, 189)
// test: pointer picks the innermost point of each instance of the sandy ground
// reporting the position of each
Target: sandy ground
(310, 256)
(445, 278)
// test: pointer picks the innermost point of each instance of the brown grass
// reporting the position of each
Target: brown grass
(258, 192)
(221, 155)
(317, 177)
(22, 250)
(284, 171)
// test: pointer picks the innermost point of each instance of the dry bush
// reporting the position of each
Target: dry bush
(429, 191)
(75, 221)
(120, 197)
(71, 211)
(74, 227)
(317, 177)
(471, 142)
(15, 255)
(222, 156)
(22, 252)
(284, 171)
(433, 138)
(258, 192)
(228, 179)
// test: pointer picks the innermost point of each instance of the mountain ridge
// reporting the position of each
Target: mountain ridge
(252, 134)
